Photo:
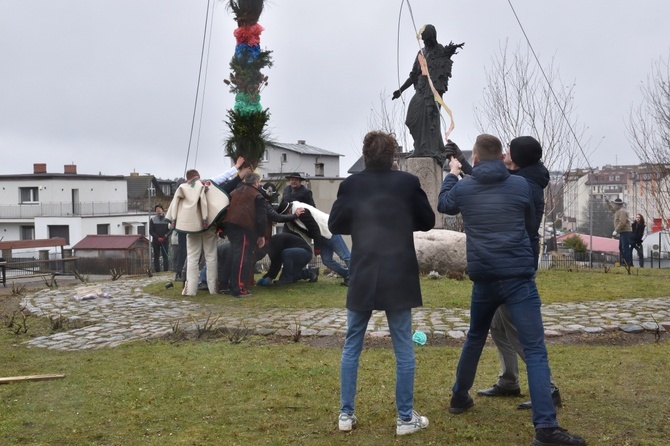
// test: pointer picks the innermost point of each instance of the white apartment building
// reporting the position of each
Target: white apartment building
(44, 205)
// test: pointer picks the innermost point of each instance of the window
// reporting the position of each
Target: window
(62, 231)
(318, 169)
(27, 232)
(284, 157)
(142, 230)
(266, 156)
(28, 195)
(616, 178)
(151, 190)
(103, 229)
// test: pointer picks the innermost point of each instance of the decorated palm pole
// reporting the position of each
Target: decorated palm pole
(247, 119)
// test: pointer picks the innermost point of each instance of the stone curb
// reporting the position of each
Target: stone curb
(131, 315)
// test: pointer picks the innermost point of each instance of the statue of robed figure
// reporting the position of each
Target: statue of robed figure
(423, 112)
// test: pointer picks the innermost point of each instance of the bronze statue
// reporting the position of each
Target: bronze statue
(423, 112)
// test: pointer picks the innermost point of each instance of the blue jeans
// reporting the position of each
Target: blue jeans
(335, 245)
(523, 304)
(400, 325)
(293, 261)
(625, 250)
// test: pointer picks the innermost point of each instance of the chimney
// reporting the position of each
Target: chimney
(301, 141)
(70, 168)
(39, 168)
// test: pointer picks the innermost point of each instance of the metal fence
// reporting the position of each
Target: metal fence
(21, 267)
(596, 260)
(64, 209)
(102, 266)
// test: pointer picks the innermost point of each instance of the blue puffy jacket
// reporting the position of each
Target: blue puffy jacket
(498, 214)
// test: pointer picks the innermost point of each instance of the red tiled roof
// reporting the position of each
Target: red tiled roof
(107, 242)
(600, 244)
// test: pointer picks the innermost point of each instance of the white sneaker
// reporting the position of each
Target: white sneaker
(415, 424)
(346, 422)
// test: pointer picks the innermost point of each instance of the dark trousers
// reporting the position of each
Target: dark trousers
(161, 249)
(181, 255)
(294, 261)
(625, 249)
(640, 254)
(241, 257)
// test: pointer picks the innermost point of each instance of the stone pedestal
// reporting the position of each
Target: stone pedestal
(430, 177)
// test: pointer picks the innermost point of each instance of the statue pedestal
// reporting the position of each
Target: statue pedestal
(430, 177)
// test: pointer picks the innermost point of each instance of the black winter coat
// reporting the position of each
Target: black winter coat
(538, 178)
(498, 214)
(381, 209)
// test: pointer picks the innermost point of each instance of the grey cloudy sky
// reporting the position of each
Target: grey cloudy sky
(110, 84)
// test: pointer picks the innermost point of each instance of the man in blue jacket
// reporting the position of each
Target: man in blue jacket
(501, 265)
(523, 159)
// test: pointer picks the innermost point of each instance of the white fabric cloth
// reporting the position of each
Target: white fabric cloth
(207, 243)
(320, 217)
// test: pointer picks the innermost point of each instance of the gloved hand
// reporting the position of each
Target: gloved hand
(614, 234)
(451, 149)
(160, 239)
(396, 94)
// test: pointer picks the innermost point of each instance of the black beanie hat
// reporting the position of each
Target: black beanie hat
(525, 151)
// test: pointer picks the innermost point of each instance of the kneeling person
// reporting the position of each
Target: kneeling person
(293, 254)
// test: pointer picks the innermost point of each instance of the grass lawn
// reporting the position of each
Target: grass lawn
(267, 391)
(555, 286)
(217, 393)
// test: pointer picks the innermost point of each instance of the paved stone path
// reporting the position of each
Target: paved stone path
(129, 314)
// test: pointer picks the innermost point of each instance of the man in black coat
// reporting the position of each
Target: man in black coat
(381, 208)
(296, 191)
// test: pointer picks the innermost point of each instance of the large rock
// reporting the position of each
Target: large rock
(440, 250)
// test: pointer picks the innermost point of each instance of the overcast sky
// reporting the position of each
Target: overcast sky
(110, 85)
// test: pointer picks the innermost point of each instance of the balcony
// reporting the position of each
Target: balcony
(69, 209)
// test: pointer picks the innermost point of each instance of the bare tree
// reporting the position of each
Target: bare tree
(519, 100)
(648, 130)
(522, 98)
(389, 120)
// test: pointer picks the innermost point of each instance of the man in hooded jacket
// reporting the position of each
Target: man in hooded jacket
(522, 159)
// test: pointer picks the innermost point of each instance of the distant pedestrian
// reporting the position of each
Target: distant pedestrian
(639, 234)
(159, 229)
(622, 228)
(381, 208)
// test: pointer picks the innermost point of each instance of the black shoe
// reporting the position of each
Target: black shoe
(555, 397)
(496, 390)
(345, 282)
(460, 406)
(556, 436)
(202, 286)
